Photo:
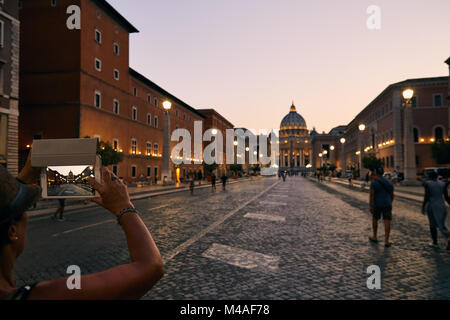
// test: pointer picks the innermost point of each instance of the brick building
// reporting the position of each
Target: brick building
(81, 85)
(384, 119)
(9, 84)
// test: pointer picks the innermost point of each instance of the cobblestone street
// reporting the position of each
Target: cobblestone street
(260, 239)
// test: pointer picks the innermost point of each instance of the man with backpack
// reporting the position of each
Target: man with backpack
(381, 197)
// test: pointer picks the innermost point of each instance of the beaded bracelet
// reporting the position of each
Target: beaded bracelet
(125, 211)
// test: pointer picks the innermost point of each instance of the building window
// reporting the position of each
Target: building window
(115, 169)
(149, 99)
(116, 49)
(392, 162)
(116, 74)
(149, 119)
(438, 134)
(134, 115)
(135, 91)
(156, 102)
(2, 33)
(133, 146)
(98, 99)
(437, 100)
(98, 36)
(133, 171)
(115, 144)
(176, 113)
(116, 106)
(98, 64)
(416, 134)
(184, 116)
(156, 173)
(149, 148)
(149, 172)
(155, 148)
(156, 121)
(53, 3)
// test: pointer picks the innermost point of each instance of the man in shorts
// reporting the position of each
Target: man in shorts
(381, 197)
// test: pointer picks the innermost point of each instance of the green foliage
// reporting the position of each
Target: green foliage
(236, 168)
(441, 152)
(209, 168)
(371, 162)
(108, 154)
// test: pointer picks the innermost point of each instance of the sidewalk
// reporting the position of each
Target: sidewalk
(404, 192)
(47, 206)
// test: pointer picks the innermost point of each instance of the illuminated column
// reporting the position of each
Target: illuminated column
(166, 173)
(448, 97)
(410, 170)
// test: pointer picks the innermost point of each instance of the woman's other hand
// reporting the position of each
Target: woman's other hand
(29, 174)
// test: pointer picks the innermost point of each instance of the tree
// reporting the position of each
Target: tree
(256, 168)
(371, 162)
(108, 154)
(209, 168)
(440, 152)
(236, 168)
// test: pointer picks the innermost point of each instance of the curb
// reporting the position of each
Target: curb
(397, 194)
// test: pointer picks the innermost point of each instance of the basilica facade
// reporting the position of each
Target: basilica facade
(295, 143)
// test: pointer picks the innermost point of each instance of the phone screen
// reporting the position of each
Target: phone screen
(70, 181)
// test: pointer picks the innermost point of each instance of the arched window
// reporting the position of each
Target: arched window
(438, 134)
(416, 134)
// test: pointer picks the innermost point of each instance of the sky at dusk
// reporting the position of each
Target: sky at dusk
(249, 59)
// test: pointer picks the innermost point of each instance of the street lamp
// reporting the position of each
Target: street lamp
(214, 132)
(166, 173)
(409, 145)
(362, 128)
(343, 165)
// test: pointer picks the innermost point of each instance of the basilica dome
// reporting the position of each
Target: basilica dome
(293, 120)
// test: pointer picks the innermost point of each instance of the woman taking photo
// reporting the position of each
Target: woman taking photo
(129, 281)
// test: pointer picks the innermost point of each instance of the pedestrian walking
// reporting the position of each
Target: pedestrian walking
(127, 281)
(381, 197)
(191, 186)
(283, 174)
(350, 180)
(224, 179)
(213, 182)
(60, 210)
(434, 206)
(395, 177)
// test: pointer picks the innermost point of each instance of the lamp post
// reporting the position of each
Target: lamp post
(409, 163)
(343, 165)
(362, 128)
(166, 173)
